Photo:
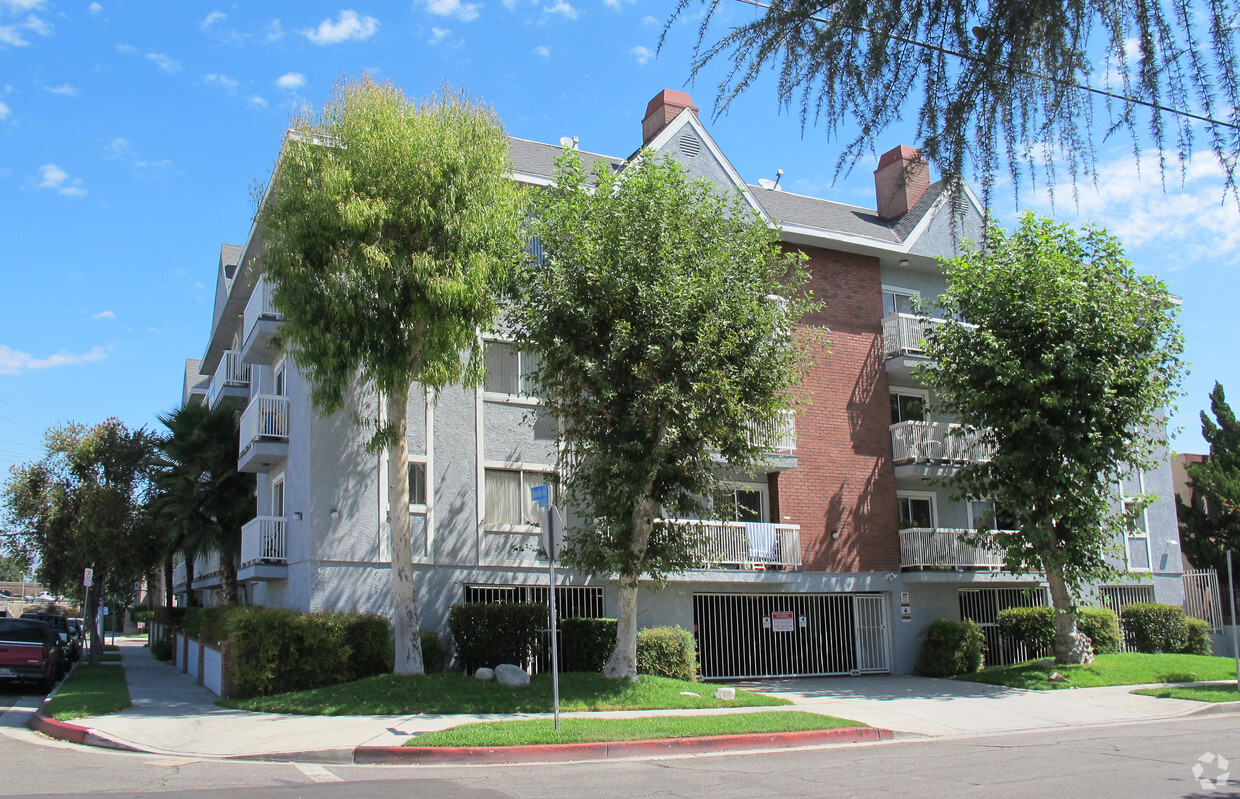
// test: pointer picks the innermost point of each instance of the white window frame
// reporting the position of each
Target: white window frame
(922, 393)
(548, 477)
(889, 289)
(415, 507)
(930, 495)
(502, 396)
(279, 378)
(278, 482)
(1132, 535)
(764, 492)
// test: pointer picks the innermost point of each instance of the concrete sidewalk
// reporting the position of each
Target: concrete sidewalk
(173, 715)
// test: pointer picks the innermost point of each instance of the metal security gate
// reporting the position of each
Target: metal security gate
(1202, 598)
(1118, 597)
(982, 605)
(790, 635)
(571, 602)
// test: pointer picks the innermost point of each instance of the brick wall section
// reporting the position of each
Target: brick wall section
(844, 479)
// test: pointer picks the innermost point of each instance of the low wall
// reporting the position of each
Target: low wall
(1224, 645)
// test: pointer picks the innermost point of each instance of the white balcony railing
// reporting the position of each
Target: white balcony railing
(231, 373)
(178, 573)
(905, 334)
(937, 442)
(747, 545)
(778, 435)
(266, 417)
(923, 547)
(206, 566)
(263, 540)
(259, 306)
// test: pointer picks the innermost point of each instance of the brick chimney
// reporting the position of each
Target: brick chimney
(665, 106)
(900, 180)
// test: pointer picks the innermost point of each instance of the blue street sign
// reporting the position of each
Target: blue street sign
(539, 494)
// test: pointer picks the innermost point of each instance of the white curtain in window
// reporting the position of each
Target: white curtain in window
(503, 374)
(503, 497)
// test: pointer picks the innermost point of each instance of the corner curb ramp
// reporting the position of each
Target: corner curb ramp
(73, 733)
(565, 753)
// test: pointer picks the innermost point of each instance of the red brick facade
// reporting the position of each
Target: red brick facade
(844, 480)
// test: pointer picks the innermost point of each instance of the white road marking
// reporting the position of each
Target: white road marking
(316, 772)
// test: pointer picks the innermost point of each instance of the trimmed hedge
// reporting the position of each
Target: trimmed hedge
(1198, 638)
(952, 647)
(587, 643)
(1035, 628)
(1155, 628)
(667, 652)
(491, 633)
(434, 652)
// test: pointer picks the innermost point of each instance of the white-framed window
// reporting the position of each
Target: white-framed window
(897, 300)
(506, 496)
(909, 405)
(417, 486)
(1137, 535)
(916, 509)
(747, 502)
(277, 497)
(280, 379)
(507, 370)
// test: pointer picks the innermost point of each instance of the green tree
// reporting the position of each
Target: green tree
(83, 505)
(204, 500)
(1208, 534)
(994, 83)
(389, 227)
(1065, 359)
(12, 569)
(661, 319)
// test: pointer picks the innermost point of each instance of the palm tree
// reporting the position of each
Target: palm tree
(206, 500)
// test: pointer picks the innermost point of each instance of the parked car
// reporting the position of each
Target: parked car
(29, 652)
(78, 626)
(60, 625)
(5, 593)
(44, 596)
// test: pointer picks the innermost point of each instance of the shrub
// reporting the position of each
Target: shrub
(1197, 640)
(587, 643)
(1102, 627)
(369, 639)
(1150, 627)
(491, 633)
(952, 647)
(1033, 627)
(667, 652)
(434, 652)
(161, 647)
(141, 614)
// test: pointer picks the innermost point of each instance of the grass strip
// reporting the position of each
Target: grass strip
(393, 695)
(1204, 693)
(1129, 668)
(578, 730)
(110, 657)
(90, 691)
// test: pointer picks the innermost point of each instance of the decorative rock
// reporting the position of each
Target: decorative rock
(485, 674)
(508, 674)
(690, 693)
(1057, 677)
(726, 694)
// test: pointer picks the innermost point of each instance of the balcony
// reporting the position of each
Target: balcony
(259, 324)
(264, 434)
(231, 381)
(264, 549)
(929, 548)
(933, 449)
(904, 343)
(747, 545)
(778, 440)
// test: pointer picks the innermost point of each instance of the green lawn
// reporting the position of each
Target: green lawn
(1121, 669)
(90, 691)
(391, 695)
(579, 730)
(1204, 693)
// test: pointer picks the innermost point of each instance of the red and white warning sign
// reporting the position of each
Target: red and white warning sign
(783, 621)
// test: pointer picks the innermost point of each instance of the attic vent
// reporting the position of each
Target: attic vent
(690, 146)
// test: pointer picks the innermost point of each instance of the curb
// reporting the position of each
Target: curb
(73, 733)
(564, 753)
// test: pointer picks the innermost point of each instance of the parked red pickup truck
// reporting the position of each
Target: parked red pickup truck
(28, 652)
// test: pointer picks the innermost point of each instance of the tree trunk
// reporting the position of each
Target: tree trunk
(190, 599)
(228, 578)
(1070, 646)
(168, 582)
(92, 617)
(623, 661)
(404, 592)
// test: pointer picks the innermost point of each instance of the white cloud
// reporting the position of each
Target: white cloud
(438, 34)
(56, 178)
(257, 101)
(542, 50)
(166, 63)
(119, 149)
(127, 49)
(563, 8)
(95, 9)
(14, 362)
(649, 20)
(348, 25)
(274, 32)
(212, 18)
(223, 81)
(615, 3)
(291, 80)
(14, 35)
(642, 54)
(21, 5)
(105, 315)
(64, 90)
(465, 12)
(4, 110)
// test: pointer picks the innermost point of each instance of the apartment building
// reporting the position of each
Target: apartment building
(830, 562)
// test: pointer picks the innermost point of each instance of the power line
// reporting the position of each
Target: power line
(1060, 81)
(59, 415)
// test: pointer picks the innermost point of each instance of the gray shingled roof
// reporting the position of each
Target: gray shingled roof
(535, 158)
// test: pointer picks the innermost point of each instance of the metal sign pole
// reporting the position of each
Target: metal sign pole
(553, 551)
(1235, 623)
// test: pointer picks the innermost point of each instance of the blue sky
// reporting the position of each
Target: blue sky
(131, 134)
